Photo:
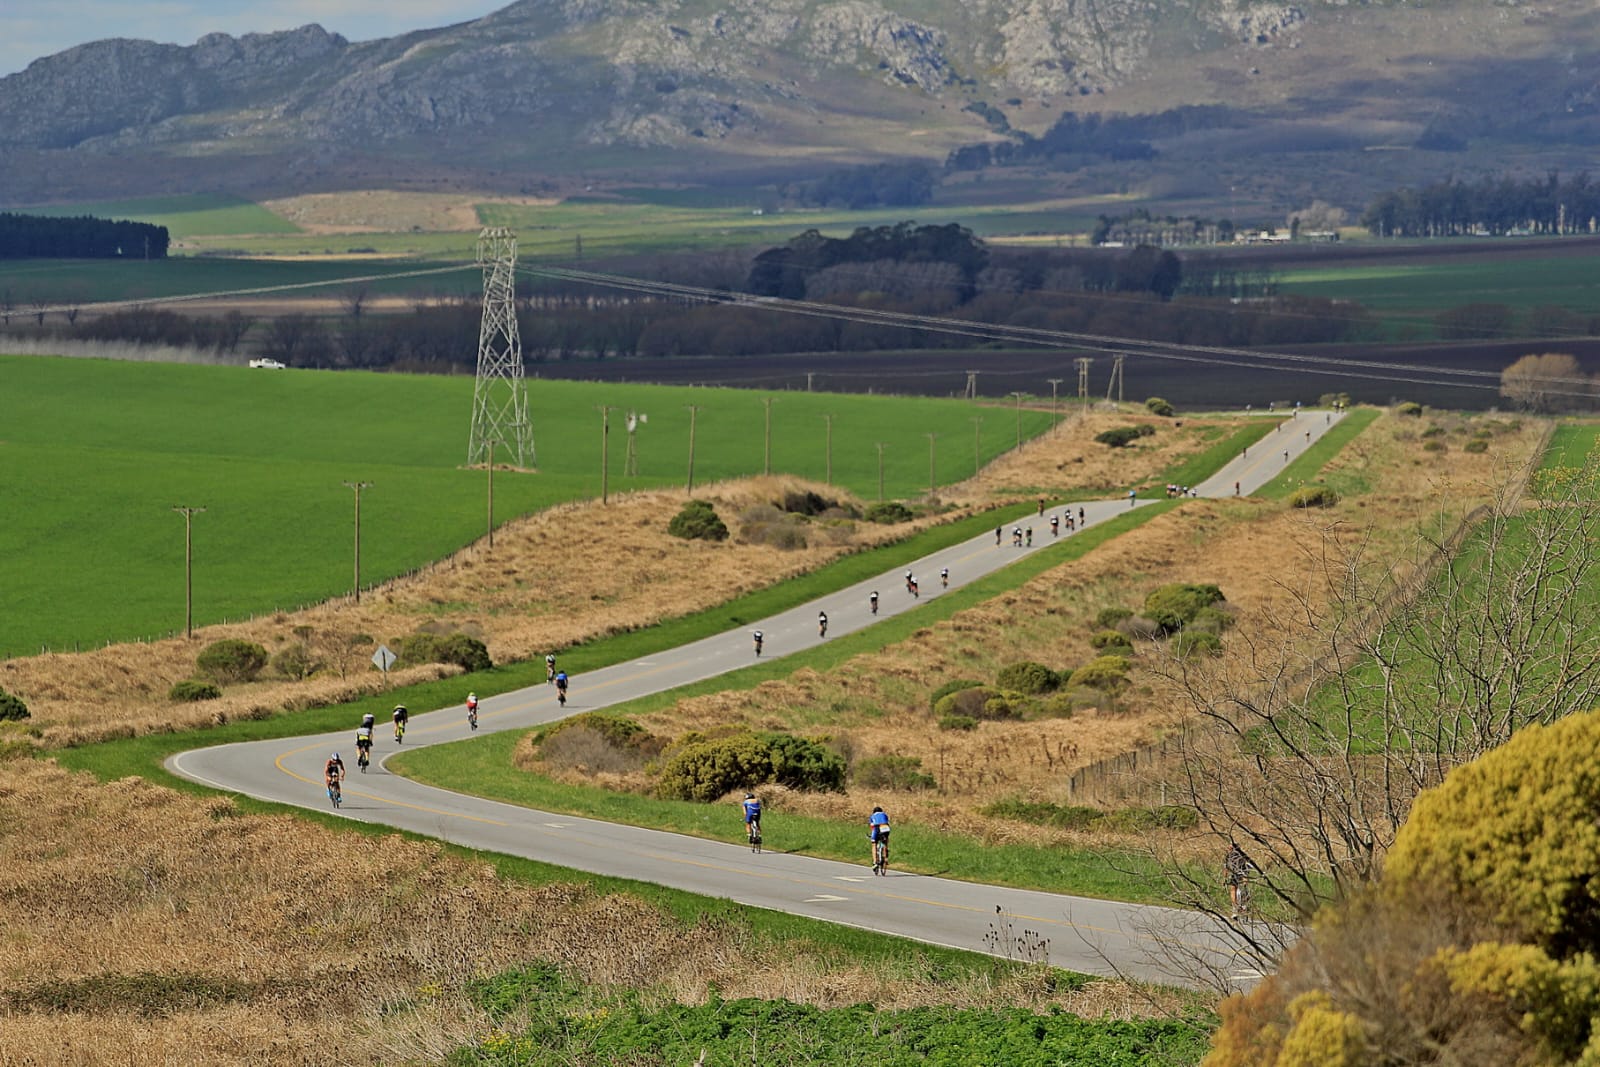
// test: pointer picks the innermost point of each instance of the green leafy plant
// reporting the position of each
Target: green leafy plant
(1409, 408)
(1174, 605)
(1157, 406)
(1027, 677)
(801, 763)
(1108, 618)
(1113, 640)
(888, 512)
(892, 772)
(959, 723)
(1105, 673)
(698, 521)
(947, 688)
(192, 689)
(12, 707)
(1317, 496)
(295, 661)
(707, 770)
(231, 660)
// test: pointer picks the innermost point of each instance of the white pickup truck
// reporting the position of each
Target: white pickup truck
(266, 364)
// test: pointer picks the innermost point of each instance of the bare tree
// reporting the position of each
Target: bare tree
(354, 300)
(1309, 754)
(1543, 382)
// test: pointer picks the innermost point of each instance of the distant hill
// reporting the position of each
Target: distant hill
(1338, 97)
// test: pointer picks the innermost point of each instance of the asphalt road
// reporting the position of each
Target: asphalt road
(1087, 935)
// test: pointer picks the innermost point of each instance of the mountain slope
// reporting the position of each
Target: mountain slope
(562, 86)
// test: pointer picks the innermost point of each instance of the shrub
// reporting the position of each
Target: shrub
(707, 770)
(888, 512)
(192, 689)
(232, 660)
(800, 763)
(998, 707)
(465, 652)
(1212, 620)
(1119, 436)
(1141, 820)
(951, 687)
(1477, 444)
(964, 723)
(967, 701)
(1140, 628)
(1316, 496)
(1157, 406)
(618, 730)
(468, 653)
(698, 521)
(1432, 431)
(1175, 604)
(805, 502)
(1410, 408)
(582, 748)
(1028, 677)
(1145, 431)
(12, 707)
(1110, 617)
(1196, 643)
(295, 662)
(1434, 446)
(893, 772)
(1105, 673)
(1111, 639)
(1055, 706)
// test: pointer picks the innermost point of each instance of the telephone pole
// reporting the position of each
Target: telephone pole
(358, 486)
(829, 420)
(972, 385)
(977, 444)
(605, 450)
(880, 471)
(1019, 397)
(1055, 407)
(1083, 382)
(1116, 378)
(188, 514)
(694, 409)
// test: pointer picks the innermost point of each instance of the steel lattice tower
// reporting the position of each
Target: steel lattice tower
(500, 397)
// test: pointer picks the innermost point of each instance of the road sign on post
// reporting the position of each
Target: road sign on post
(383, 658)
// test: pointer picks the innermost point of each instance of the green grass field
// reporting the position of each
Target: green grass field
(1407, 295)
(90, 280)
(97, 452)
(197, 215)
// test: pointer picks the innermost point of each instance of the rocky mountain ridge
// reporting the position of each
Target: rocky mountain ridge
(552, 82)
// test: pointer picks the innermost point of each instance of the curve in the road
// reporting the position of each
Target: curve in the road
(1085, 934)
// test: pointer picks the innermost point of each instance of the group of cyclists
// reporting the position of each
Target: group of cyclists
(759, 639)
(877, 832)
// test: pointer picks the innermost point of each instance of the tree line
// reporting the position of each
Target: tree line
(79, 237)
(1491, 205)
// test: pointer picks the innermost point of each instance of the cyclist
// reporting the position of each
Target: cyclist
(1055, 525)
(878, 835)
(550, 667)
(752, 821)
(369, 721)
(1236, 872)
(944, 576)
(472, 710)
(1081, 520)
(401, 717)
(364, 743)
(332, 775)
(873, 600)
(997, 531)
(757, 636)
(822, 624)
(561, 688)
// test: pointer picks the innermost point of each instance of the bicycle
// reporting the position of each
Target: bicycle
(334, 794)
(400, 732)
(880, 855)
(362, 759)
(752, 832)
(472, 715)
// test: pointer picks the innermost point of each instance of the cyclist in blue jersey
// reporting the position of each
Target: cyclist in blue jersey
(752, 821)
(878, 835)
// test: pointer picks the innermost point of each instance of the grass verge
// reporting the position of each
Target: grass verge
(1309, 463)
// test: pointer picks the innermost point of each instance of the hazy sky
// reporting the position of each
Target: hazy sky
(33, 28)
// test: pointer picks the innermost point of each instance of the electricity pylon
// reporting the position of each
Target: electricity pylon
(500, 396)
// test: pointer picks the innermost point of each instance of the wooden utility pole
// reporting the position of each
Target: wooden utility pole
(1083, 382)
(358, 486)
(1019, 397)
(1055, 407)
(977, 444)
(605, 450)
(694, 409)
(188, 514)
(972, 385)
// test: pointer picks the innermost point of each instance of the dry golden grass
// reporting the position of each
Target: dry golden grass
(387, 211)
(1264, 556)
(565, 575)
(127, 902)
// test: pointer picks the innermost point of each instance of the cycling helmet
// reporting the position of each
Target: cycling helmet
(336, 755)
(749, 796)
(877, 811)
